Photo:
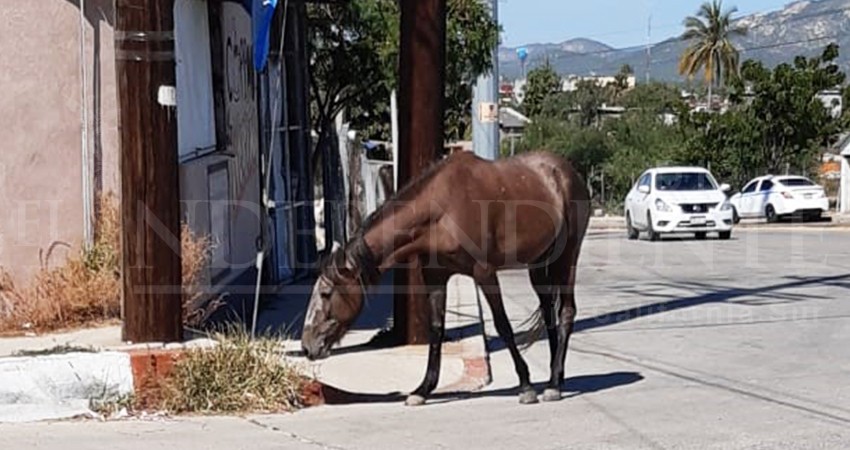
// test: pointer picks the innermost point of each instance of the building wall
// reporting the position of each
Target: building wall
(220, 190)
(40, 123)
(40, 131)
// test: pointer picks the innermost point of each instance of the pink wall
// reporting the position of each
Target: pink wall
(40, 133)
(40, 128)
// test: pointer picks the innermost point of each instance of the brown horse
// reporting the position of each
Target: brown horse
(469, 216)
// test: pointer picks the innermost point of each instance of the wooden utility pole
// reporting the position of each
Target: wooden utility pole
(150, 208)
(421, 134)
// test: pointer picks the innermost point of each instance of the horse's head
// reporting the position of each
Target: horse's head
(336, 302)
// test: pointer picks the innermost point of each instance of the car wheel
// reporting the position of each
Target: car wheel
(736, 219)
(725, 235)
(770, 214)
(632, 232)
(701, 235)
(653, 235)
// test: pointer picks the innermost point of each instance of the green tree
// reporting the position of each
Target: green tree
(793, 122)
(354, 48)
(654, 97)
(354, 62)
(588, 97)
(621, 82)
(776, 120)
(582, 104)
(711, 50)
(542, 83)
(639, 140)
(585, 147)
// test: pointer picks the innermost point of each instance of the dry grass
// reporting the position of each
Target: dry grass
(86, 289)
(238, 375)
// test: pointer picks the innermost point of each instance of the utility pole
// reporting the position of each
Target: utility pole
(150, 208)
(485, 103)
(421, 133)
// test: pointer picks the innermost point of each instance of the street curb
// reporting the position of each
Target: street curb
(611, 225)
(65, 386)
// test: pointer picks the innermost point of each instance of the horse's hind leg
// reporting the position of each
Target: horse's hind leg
(490, 286)
(564, 276)
(436, 282)
(544, 286)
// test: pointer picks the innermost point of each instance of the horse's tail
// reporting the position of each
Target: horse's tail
(536, 325)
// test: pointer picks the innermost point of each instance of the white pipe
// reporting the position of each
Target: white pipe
(88, 228)
(394, 118)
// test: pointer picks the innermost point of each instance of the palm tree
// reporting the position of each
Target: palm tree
(710, 35)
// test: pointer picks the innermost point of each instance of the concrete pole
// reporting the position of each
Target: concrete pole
(485, 103)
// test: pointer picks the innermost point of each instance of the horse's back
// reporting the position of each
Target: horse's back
(529, 201)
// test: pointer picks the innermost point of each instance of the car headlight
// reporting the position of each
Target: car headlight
(726, 206)
(661, 205)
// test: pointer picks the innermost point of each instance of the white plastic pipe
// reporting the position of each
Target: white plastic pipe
(394, 124)
(88, 204)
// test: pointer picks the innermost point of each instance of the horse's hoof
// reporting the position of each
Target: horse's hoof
(528, 398)
(551, 395)
(414, 400)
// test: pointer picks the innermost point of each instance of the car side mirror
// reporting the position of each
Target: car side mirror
(725, 187)
(643, 189)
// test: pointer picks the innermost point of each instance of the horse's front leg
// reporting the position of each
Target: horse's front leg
(493, 293)
(437, 304)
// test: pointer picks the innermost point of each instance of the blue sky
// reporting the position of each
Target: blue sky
(620, 23)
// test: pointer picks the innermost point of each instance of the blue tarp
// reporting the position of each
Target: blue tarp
(261, 18)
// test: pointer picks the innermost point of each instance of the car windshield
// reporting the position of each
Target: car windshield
(684, 181)
(795, 182)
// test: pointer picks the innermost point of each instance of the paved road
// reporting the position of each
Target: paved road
(682, 344)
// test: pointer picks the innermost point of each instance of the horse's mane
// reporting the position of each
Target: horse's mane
(355, 253)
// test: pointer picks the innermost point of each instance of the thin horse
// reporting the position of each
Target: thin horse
(469, 216)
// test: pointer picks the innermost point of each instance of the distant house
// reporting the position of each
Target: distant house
(833, 101)
(570, 83)
(512, 123)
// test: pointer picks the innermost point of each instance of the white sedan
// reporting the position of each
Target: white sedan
(773, 197)
(678, 200)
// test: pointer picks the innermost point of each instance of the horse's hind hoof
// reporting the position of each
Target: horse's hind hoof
(414, 400)
(528, 398)
(551, 395)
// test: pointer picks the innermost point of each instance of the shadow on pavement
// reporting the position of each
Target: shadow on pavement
(717, 296)
(764, 295)
(573, 387)
(282, 312)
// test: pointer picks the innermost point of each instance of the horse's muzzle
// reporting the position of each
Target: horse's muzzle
(315, 351)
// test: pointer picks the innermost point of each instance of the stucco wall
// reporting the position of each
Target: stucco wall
(40, 132)
(40, 122)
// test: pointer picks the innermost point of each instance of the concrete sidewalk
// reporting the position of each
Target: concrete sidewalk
(58, 375)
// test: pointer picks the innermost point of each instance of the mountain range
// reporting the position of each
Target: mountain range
(801, 28)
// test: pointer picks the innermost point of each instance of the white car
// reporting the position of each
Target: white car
(772, 197)
(678, 200)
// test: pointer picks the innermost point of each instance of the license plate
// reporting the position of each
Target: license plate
(699, 220)
(809, 195)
